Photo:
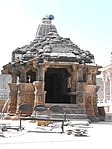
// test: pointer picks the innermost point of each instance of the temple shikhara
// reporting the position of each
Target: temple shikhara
(53, 70)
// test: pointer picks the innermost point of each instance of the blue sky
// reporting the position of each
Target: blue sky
(87, 23)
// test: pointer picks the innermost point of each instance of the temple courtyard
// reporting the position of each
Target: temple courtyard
(98, 135)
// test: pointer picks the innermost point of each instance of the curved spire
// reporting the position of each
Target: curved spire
(45, 27)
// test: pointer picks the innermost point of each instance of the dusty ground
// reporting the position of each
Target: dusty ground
(99, 136)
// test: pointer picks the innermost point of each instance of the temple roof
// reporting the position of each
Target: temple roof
(49, 45)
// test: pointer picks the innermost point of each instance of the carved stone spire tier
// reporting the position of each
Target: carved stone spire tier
(45, 27)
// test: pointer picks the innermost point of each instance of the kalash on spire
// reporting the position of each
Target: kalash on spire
(46, 26)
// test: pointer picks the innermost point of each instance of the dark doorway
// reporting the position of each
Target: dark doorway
(56, 85)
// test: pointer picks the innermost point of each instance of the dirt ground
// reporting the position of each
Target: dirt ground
(99, 136)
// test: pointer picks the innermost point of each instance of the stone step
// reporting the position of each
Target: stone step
(64, 105)
(71, 116)
(76, 116)
(73, 110)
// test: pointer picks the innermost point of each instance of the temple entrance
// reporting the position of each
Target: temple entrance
(56, 80)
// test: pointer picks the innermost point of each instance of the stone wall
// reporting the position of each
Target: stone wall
(4, 88)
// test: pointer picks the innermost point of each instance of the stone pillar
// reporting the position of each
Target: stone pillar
(81, 94)
(81, 85)
(110, 80)
(12, 98)
(22, 77)
(39, 92)
(73, 78)
(40, 72)
(95, 96)
(14, 77)
(72, 82)
(104, 86)
(80, 73)
(91, 77)
(25, 94)
(39, 85)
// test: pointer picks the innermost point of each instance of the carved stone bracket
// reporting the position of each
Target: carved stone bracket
(91, 77)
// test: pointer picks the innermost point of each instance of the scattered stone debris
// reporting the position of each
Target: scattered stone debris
(80, 132)
(78, 128)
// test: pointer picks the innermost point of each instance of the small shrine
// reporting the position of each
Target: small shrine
(53, 70)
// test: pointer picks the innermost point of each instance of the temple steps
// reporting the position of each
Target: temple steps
(76, 116)
(72, 111)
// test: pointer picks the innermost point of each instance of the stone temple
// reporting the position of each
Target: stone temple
(53, 70)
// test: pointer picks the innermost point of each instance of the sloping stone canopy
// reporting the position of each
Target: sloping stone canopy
(53, 47)
(53, 70)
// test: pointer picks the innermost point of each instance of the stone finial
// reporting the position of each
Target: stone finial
(46, 20)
